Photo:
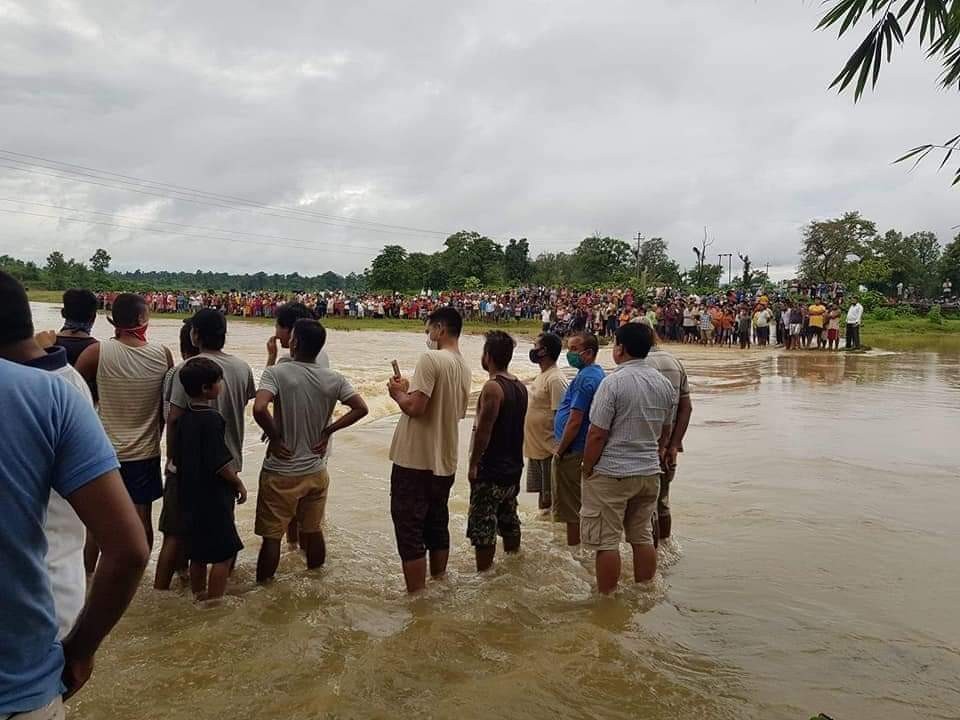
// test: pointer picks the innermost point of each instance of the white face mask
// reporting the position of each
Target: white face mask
(432, 344)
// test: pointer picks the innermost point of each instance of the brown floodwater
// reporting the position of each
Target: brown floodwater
(814, 570)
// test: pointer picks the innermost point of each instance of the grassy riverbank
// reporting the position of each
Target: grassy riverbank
(899, 333)
(911, 333)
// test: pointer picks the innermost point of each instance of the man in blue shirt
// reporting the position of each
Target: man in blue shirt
(570, 430)
(51, 438)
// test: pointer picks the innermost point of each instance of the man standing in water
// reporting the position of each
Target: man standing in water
(546, 394)
(287, 315)
(51, 440)
(79, 314)
(129, 374)
(629, 420)
(496, 455)
(209, 334)
(854, 318)
(424, 448)
(570, 431)
(294, 479)
(671, 368)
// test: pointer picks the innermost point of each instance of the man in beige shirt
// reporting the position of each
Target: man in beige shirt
(546, 394)
(424, 448)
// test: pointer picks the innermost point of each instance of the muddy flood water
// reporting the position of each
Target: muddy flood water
(815, 569)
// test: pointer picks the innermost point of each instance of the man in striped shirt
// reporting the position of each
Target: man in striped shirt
(630, 419)
(129, 373)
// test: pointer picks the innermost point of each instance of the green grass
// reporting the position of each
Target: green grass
(47, 296)
(524, 327)
(911, 332)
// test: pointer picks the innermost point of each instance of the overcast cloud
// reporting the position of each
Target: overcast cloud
(546, 120)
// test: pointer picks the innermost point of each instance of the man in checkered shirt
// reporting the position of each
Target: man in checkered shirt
(630, 422)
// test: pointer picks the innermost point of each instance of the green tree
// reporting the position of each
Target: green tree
(871, 272)
(937, 23)
(912, 260)
(950, 264)
(655, 263)
(56, 271)
(100, 262)
(831, 247)
(389, 270)
(552, 269)
(329, 281)
(516, 261)
(600, 259)
(702, 280)
(469, 254)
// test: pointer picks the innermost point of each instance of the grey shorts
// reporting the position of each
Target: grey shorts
(539, 474)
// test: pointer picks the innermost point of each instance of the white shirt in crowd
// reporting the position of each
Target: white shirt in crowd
(545, 315)
(855, 314)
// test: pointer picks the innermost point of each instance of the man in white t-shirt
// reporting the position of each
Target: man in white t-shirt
(545, 319)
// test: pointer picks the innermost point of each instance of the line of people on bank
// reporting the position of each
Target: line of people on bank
(614, 443)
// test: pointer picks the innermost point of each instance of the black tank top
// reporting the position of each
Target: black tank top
(502, 462)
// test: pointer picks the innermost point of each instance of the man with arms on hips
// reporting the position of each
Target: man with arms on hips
(294, 482)
(545, 396)
(286, 316)
(424, 448)
(629, 420)
(570, 430)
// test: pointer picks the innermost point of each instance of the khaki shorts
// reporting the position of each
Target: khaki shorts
(566, 488)
(284, 497)
(613, 507)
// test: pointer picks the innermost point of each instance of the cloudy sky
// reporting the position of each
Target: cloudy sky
(399, 123)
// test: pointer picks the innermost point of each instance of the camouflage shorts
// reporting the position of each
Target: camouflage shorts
(493, 511)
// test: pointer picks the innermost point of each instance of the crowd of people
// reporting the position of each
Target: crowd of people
(83, 426)
(736, 318)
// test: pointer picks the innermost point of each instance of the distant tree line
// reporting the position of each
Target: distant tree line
(848, 249)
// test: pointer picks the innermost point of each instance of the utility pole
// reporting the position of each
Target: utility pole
(729, 257)
(639, 240)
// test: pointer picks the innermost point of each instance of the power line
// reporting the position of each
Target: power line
(153, 184)
(173, 232)
(196, 201)
(191, 227)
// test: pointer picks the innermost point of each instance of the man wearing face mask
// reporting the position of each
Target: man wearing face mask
(546, 394)
(630, 422)
(570, 430)
(424, 448)
(129, 373)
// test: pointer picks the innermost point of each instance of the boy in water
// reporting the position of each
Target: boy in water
(208, 481)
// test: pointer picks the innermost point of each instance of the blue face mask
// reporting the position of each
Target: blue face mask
(574, 359)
